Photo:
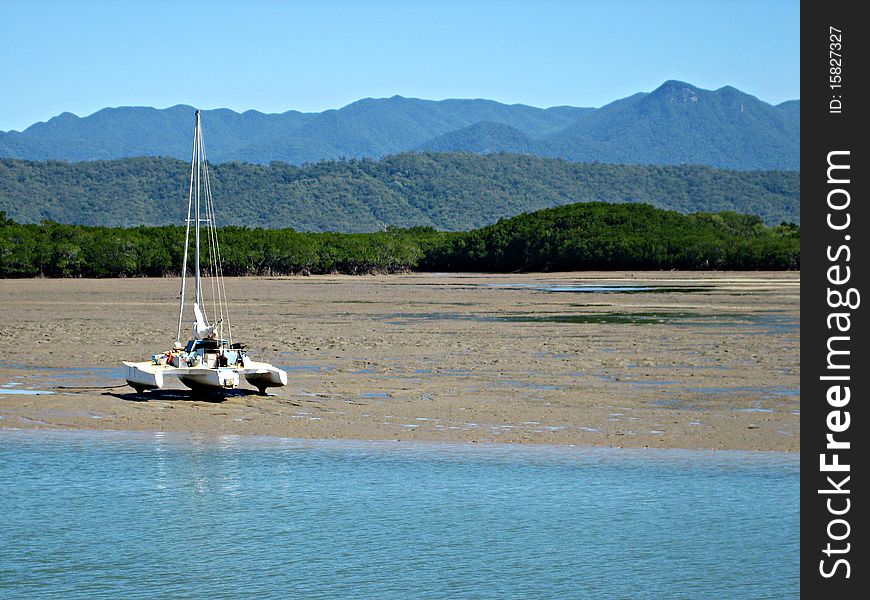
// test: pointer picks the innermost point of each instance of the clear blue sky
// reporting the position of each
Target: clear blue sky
(272, 56)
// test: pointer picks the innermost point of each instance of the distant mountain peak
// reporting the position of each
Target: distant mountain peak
(64, 117)
(676, 91)
(675, 85)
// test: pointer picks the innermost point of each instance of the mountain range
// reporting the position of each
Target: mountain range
(675, 124)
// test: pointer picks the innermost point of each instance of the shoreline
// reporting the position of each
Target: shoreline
(691, 360)
(266, 440)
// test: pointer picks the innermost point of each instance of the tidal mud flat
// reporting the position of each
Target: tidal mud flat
(658, 359)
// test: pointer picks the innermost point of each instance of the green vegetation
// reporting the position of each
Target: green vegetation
(575, 237)
(452, 192)
(606, 236)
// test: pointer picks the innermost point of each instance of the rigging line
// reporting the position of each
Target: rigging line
(218, 262)
(221, 298)
(209, 203)
(186, 240)
(225, 307)
(215, 296)
(222, 284)
(199, 196)
(217, 302)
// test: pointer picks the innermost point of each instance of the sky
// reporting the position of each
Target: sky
(83, 55)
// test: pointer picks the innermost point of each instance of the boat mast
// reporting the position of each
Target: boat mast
(193, 169)
(198, 144)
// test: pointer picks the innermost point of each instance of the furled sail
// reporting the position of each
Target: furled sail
(201, 329)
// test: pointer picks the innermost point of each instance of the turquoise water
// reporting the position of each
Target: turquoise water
(111, 515)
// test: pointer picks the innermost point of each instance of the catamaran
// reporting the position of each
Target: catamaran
(210, 360)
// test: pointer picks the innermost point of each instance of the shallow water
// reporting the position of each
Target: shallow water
(16, 391)
(107, 515)
(602, 289)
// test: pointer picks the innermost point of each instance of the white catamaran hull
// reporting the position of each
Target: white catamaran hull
(263, 375)
(148, 376)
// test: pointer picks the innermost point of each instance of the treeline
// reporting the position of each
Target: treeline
(447, 191)
(604, 236)
(575, 237)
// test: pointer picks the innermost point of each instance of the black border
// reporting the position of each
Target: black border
(823, 132)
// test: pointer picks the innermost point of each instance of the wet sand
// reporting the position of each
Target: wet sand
(705, 360)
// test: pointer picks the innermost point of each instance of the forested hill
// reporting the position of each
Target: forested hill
(676, 123)
(448, 191)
